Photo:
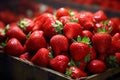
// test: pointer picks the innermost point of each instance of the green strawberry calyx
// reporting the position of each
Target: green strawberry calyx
(73, 63)
(112, 61)
(23, 24)
(85, 40)
(58, 26)
(68, 72)
(87, 58)
(74, 20)
(71, 13)
(6, 28)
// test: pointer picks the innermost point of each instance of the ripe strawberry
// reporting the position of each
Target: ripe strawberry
(96, 66)
(59, 63)
(75, 72)
(35, 41)
(39, 21)
(72, 30)
(13, 47)
(41, 57)
(92, 53)
(101, 41)
(116, 41)
(64, 19)
(85, 19)
(26, 25)
(118, 57)
(57, 42)
(13, 31)
(62, 12)
(80, 49)
(25, 56)
(2, 25)
(99, 16)
(87, 33)
(51, 27)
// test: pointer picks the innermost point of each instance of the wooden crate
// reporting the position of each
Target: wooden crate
(13, 68)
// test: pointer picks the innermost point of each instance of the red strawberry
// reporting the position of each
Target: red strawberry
(57, 42)
(35, 41)
(99, 16)
(64, 19)
(96, 66)
(2, 35)
(13, 47)
(13, 31)
(101, 41)
(26, 25)
(2, 25)
(59, 63)
(87, 33)
(75, 72)
(85, 19)
(62, 12)
(117, 54)
(93, 54)
(72, 30)
(116, 41)
(39, 21)
(41, 58)
(25, 56)
(50, 27)
(80, 49)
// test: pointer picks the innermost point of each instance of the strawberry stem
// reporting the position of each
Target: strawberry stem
(22, 24)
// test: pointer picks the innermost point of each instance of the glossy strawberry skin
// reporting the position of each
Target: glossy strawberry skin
(101, 42)
(15, 32)
(25, 56)
(96, 66)
(48, 28)
(39, 21)
(72, 30)
(35, 41)
(76, 72)
(64, 19)
(85, 19)
(117, 54)
(99, 16)
(87, 33)
(57, 42)
(79, 50)
(26, 25)
(59, 63)
(13, 47)
(62, 12)
(41, 57)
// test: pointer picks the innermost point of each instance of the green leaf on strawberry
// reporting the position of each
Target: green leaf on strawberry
(68, 72)
(22, 24)
(58, 26)
(74, 20)
(87, 58)
(73, 63)
(71, 13)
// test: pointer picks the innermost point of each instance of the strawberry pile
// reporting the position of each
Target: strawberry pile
(77, 44)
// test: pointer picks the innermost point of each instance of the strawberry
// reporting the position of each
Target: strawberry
(51, 27)
(116, 41)
(80, 48)
(59, 63)
(75, 72)
(101, 41)
(39, 21)
(25, 56)
(87, 33)
(64, 19)
(62, 12)
(2, 35)
(35, 41)
(2, 25)
(85, 19)
(13, 47)
(96, 66)
(99, 16)
(72, 30)
(13, 31)
(92, 53)
(41, 57)
(57, 42)
(26, 25)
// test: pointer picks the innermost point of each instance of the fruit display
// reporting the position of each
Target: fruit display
(74, 43)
